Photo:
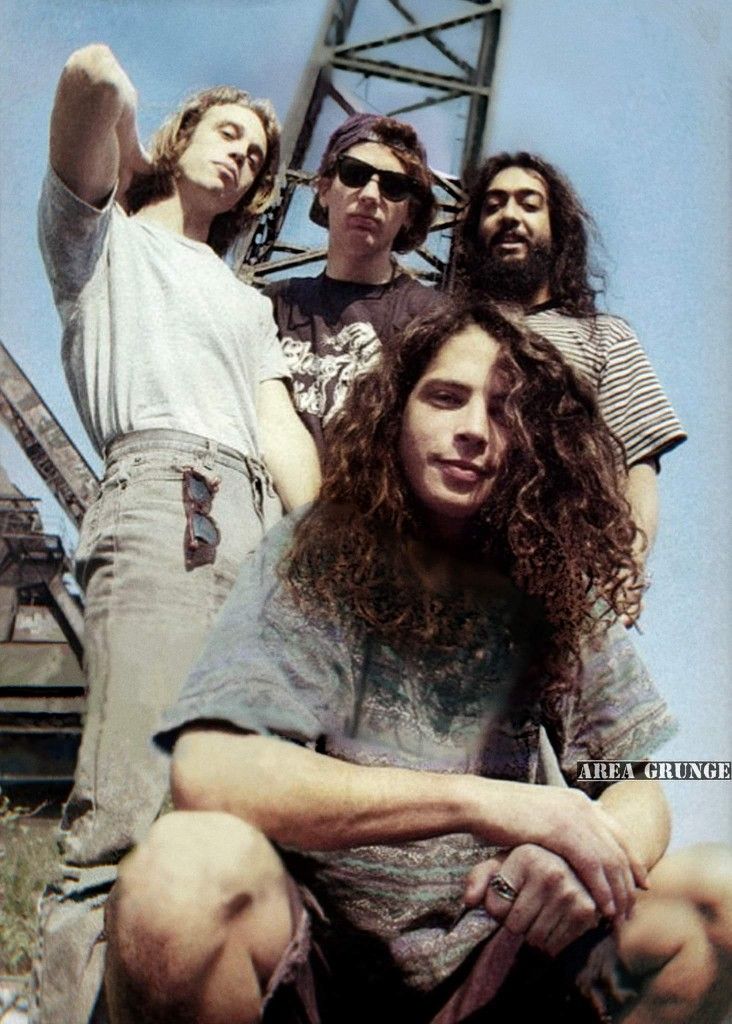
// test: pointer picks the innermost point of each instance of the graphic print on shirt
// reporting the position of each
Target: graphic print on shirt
(321, 379)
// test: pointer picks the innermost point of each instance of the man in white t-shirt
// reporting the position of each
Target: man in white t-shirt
(178, 377)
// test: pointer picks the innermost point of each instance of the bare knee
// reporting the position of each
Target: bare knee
(665, 943)
(701, 876)
(679, 939)
(198, 877)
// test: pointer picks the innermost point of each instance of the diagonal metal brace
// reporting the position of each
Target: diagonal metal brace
(386, 69)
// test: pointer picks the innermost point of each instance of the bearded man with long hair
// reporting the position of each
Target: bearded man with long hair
(361, 827)
(525, 241)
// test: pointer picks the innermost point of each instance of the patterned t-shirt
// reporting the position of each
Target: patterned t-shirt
(269, 669)
(333, 330)
(606, 351)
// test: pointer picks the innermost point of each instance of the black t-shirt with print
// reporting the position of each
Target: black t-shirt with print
(333, 330)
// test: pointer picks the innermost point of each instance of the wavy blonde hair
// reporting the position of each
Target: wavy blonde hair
(170, 142)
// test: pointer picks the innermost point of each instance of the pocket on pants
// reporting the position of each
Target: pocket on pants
(98, 522)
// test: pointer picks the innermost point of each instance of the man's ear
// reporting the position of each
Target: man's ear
(322, 188)
(411, 213)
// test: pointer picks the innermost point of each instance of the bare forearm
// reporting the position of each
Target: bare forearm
(312, 801)
(309, 801)
(93, 127)
(641, 811)
(295, 471)
(641, 490)
(289, 450)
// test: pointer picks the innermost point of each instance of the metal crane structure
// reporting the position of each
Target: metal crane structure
(41, 627)
(451, 62)
(29, 558)
(340, 63)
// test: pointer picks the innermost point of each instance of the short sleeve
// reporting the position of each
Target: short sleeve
(632, 400)
(272, 364)
(618, 714)
(72, 235)
(267, 667)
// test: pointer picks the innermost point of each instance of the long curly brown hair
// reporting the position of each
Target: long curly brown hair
(170, 142)
(556, 524)
(572, 228)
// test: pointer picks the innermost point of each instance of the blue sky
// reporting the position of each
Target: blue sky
(629, 97)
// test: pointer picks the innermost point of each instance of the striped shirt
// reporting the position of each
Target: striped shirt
(605, 351)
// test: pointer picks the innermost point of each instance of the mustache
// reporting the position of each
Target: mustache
(509, 235)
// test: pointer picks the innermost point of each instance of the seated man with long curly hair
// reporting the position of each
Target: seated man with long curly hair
(364, 823)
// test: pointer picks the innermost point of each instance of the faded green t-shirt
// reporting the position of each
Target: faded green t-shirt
(268, 669)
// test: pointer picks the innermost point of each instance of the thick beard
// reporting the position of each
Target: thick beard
(512, 280)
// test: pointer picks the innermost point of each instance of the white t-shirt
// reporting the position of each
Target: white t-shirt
(158, 331)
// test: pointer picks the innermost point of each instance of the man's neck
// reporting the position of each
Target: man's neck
(448, 564)
(376, 269)
(516, 309)
(541, 296)
(172, 214)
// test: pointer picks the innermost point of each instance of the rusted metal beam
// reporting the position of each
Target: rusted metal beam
(450, 184)
(478, 108)
(69, 615)
(431, 101)
(50, 449)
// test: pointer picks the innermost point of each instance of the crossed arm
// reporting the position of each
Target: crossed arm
(307, 800)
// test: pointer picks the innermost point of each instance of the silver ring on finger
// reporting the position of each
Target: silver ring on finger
(503, 888)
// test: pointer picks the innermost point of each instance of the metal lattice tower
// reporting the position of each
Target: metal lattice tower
(336, 63)
(47, 445)
(33, 562)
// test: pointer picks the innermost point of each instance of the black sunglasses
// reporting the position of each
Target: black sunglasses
(393, 185)
(202, 534)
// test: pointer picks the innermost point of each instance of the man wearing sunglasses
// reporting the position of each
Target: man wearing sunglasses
(373, 194)
(179, 379)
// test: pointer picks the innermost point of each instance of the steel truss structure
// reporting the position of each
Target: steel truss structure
(32, 561)
(52, 452)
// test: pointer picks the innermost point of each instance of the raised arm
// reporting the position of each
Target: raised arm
(94, 139)
(308, 800)
(289, 450)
